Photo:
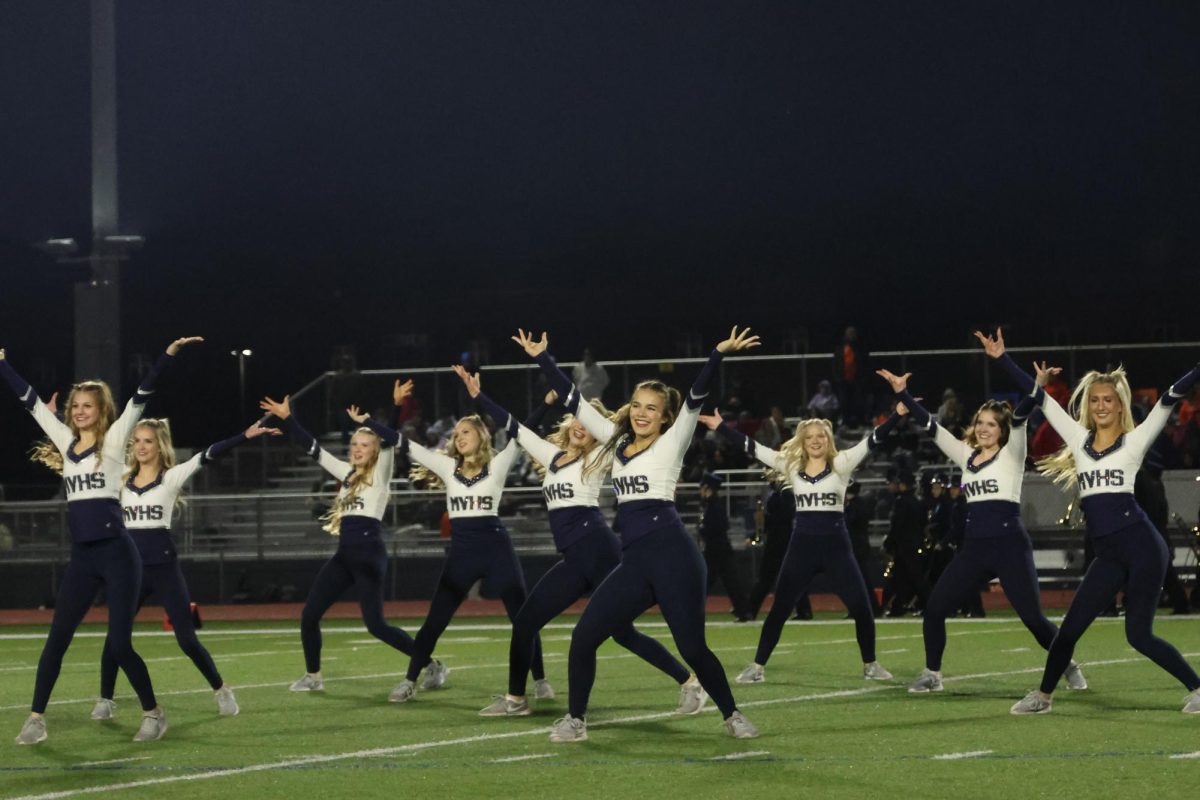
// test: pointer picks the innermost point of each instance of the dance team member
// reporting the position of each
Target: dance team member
(149, 496)
(660, 561)
(88, 450)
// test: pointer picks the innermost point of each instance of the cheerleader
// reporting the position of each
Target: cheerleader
(820, 542)
(356, 518)
(1102, 453)
(88, 450)
(149, 496)
(995, 544)
(473, 474)
(572, 470)
(660, 562)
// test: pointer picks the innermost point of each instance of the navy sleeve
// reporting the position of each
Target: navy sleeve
(559, 381)
(1026, 407)
(19, 385)
(388, 436)
(1022, 378)
(301, 436)
(738, 439)
(214, 451)
(880, 434)
(537, 416)
(493, 409)
(146, 388)
(699, 389)
(1182, 387)
(918, 411)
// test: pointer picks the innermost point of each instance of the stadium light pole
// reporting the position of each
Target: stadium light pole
(241, 355)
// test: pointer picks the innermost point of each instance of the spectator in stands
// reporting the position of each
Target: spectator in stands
(824, 403)
(950, 414)
(850, 371)
(719, 557)
(1046, 441)
(904, 541)
(774, 430)
(590, 378)
(859, 511)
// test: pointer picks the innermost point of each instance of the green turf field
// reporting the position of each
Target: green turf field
(826, 731)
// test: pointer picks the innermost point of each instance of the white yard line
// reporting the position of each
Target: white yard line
(738, 756)
(960, 756)
(113, 761)
(512, 759)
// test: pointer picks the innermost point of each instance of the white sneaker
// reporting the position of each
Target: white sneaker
(33, 731)
(928, 681)
(1192, 703)
(227, 705)
(1032, 703)
(692, 697)
(1074, 678)
(435, 675)
(875, 672)
(154, 725)
(542, 690)
(104, 709)
(309, 683)
(739, 727)
(404, 691)
(502, 706)
(751, 674)
(568, 729)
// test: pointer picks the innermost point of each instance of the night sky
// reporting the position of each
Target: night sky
(313, 174)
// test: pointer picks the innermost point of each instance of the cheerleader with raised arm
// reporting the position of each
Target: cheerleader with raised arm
(660, 562)
(1102, 453)
(88, 450)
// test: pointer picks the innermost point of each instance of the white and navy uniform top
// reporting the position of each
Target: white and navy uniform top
(148, 509)
(92, 479)
(1105, 478)
(361, 519)
(992, 487)
(644, 482)
(573, 498)
(821, 498)
(473, 504)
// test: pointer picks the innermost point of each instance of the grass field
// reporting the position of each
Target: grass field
(826, 731)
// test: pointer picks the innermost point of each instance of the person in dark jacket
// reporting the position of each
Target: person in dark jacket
(719, 557)
(905, 542)
(859, 511)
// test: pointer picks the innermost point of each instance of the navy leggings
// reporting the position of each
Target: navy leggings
(808, 554)
(585, 564)
(1136, 558)
(112, 563)
(363, 565)
(1008, 557)
(491, 558)
(166, 583)
(663, 567)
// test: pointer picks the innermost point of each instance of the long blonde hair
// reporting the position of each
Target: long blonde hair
(430, 479)
(44, 452)
(794, 457)
(162, 437)
(620, 418)
(361, 477)
(561, 439)
(1061, 466)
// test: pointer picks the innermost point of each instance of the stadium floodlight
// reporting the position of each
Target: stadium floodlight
(58, 247)
(124, 242)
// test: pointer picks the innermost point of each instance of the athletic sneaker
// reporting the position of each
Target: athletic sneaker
(104, 709)
(568, 729)
(751, 674)
(875, 672)
(542, 690)
(435, 675)
(928, 681)
(1192, 703)
(1032, 703)
(503, 707)
(404, 691)
(692, 697)
(1074, 678)
(226, 703)
(308, 683)
(33, 731)
(154, 725)
(739, 727)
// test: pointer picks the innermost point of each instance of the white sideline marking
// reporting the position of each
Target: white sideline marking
(491, 737)
(164, 659)
(958, 756)
(1017, 650)
(511, 759)
(890, 652)
(112, 761)
(1186, 755)
(736, 756)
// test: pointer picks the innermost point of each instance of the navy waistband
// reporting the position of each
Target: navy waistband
(569, 525)
(820, 523)
(1111, 512)
(637, 518)
(476, 530)
(356, 529)
(992, 518)
(92, 520)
